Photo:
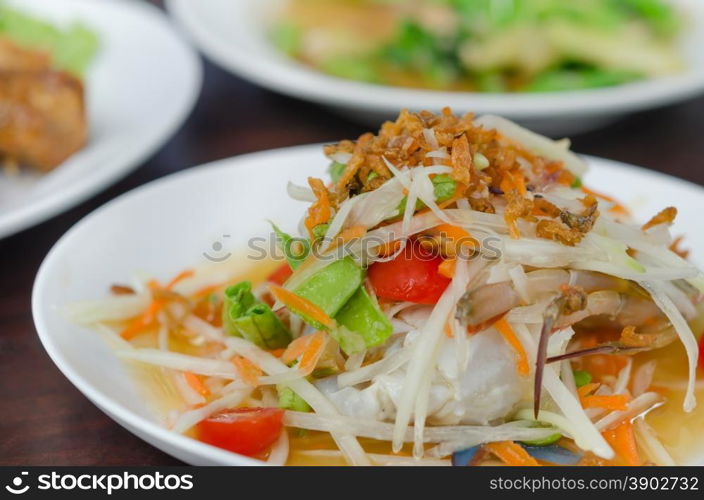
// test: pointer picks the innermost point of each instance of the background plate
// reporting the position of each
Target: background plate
(140, 88)
(233, 34)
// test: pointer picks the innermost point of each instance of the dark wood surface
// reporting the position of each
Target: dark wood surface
(44, 420)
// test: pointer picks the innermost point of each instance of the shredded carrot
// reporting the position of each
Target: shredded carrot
(147, 319)
(455, 237)
(314, 349)
(301, 306)
(453, 232)
(348, 234)
(320, 211)
(196, 384)
(616, 402)
(623, 441)
(178, 278)
(447, 268)
(277, 353)
(295, 349)
(617, 207)
(509, 335)
(143, 322)
(309, 348)
(247, 370)
(511, 453)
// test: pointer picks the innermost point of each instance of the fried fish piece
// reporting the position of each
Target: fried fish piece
(42, 117)
(16, 58)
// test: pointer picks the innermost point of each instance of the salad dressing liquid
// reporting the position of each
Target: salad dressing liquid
(680, 432)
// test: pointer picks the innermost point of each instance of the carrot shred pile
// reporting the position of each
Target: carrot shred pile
(308, 349)
(247, 370)
(511, 453)
(509, 335)
(302, 306)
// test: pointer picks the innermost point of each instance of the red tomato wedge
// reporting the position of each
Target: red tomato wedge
(281, 274)
(412, 276)
(247, 431)
(701, 352)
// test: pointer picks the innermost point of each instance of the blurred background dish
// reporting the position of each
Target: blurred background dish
(42, 66)
(85, 102)
(559, 67)
(483, 45)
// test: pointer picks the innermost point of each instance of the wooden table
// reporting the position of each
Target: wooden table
(44, 420)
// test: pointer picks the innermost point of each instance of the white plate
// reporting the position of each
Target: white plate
(232, 33)
(167, 225)
(140, 88)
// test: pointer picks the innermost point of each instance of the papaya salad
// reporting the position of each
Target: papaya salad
(456, 297)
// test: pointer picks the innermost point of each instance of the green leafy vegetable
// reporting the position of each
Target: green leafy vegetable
(415, 48)
(245, 316)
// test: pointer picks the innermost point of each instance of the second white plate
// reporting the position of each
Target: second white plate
(233, 34)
